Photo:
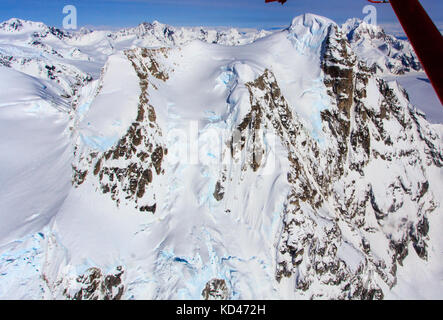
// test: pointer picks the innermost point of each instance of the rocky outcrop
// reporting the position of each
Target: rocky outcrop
(94, 285)
(216, 289)
(127, 170)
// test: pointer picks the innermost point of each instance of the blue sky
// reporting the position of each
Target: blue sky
(237, 13)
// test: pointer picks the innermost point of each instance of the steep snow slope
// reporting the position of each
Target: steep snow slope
(284, 168)
(117, 99)
(35, 176)
(34, 158)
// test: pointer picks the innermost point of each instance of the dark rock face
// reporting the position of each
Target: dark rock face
(216, 289)
(218, 193)
(96, 286)
(78, 176)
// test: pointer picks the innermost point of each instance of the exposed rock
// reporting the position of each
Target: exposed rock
(216, 289)
(218, 193)
(126, 170)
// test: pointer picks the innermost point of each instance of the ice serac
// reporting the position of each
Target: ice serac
(309, 23)
(284, 168)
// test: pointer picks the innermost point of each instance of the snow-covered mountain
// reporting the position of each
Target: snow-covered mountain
(187, 163)
(381, 51)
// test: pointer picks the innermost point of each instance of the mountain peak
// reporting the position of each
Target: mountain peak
(18, 25)
(354, 24)
(311, 21)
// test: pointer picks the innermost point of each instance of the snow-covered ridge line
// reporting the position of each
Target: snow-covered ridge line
(399, 55)
(166, 34)
(72, 59)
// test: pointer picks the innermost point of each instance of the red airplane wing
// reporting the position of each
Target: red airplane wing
(424, 36)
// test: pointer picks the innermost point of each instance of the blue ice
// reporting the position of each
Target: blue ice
(99, 143)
